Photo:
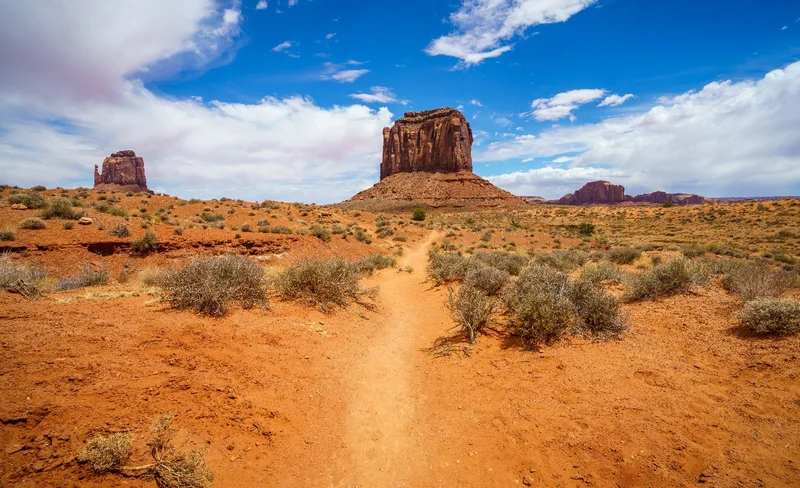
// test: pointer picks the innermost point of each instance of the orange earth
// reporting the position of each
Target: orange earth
(382, 396)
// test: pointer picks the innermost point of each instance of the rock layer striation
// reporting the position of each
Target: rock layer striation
(122, 171)
(432, 141)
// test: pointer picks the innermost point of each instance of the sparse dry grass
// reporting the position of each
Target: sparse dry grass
(322, 283)
(107, 453)
(471, 309)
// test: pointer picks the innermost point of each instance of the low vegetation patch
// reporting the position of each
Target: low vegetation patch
(120, 230)
(751, 281)
(601, 271)
(447, 267)
(471, 309)
(323, 283)
(486, 279)
(210, 285)
(511, 263)
(562, 260)
(6, 235)
(369, 264)
(778, 316)
(145, 245)
(32, 223)
(623, 255)
(88, 276)
(30, 200)
(418, 214)
(61, 208)
(677, 276)
(20, 277)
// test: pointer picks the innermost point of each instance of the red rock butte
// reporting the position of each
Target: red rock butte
(427, 160)
(122, 171)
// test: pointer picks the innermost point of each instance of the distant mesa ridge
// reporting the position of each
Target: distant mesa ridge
(427, 160)
(603, 192)
(122, 171)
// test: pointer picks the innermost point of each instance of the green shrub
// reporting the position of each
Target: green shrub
(211, 217)
(178, 230)
(39, 188)
(602, 271)
(120, 230)
(361, 235)
(368, 264)
(562, 260)
(486, 279)
(68, 225)
(88, 276)
(210, 285)
(320, 232)
(323, 283)
(384, 232)
(777, 316)
(693, 250)
(511, 263)
(751, 281)
(61, 208)
(470, 309)
(446, 268)
(418, 214)
(623, 255)
(146, 244)
(667, 204)
(586, 229)
(277, 229)
(32, 223)
(6, 235)
(30, 200)
(599, 312)
(670, 278)
(540, 309)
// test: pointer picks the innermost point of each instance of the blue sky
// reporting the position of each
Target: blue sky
(223, 98)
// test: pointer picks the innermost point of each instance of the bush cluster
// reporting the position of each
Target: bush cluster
(562, 260)
(30, 200)
(145, 245)
(323, 283)
(623, 255)
(670, 278)
(486, 279)
(471, 309)
(752, 281)
(368, 264)
(120, 230)
(511, 263)
(32, 223)
(210, 285)
(88, 276)
(61, 208)
(777, 316)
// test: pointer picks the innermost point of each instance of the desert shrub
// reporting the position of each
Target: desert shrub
(368, 264)
(107, 453)
(470, 309)
(88, 276)
(323, 283)
(68, 225)
(247, 228)
(211, 217)
(111, 210)
(30, 200)
(178, 230)
(446, 268)
(146, 244)
(511, 263)
(361, 235)
(601, 271)
(418, 214)
(32, 223)
(277, 229)
(667, 204)
(320, 232)
(486, 279)
(60, 208)
(623, 255)
(400, 239)
(6, 235)
(771, 316)
(751, 281)
(693, 250)
(540, 309)
(120, 230)
(210, 285)
(384, 232)
(670, 278)
(19, 277)
(562, 260)
(39, 188)
(586, 229)
(599, 312)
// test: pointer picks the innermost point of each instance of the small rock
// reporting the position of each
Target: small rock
(12, 448)
(18, 206)
(527, 481)
(85, 220)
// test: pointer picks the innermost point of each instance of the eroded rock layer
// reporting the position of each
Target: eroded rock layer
(122, 171)
(432, 141)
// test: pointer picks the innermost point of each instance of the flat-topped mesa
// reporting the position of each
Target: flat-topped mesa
(596, 192)
(433, 141)
(674, 198)
(122, 171)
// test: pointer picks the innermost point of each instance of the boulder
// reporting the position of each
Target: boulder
(85, 220)
(122, 171)
(596, 192)
(661, 197)
(433, 141)
(19, 206)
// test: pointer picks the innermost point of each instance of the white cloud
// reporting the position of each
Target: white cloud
(483, 28)
(283, 46)
(379, 94)
(615, 100)
(292, 3)
(261, 5)
(330, 36)
(730, 138)
(562, 105)
(281, 148)
(551, 182)
(349, 75)
(477, 103)
(784, 27)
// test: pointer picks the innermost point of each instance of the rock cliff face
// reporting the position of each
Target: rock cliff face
(675, 198)
(122, 171)
(596, 192)
(433, 141)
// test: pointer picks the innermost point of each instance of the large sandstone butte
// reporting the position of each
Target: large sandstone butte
(427, 160)
(433, 141)
(675, 198)
(596, 192)
(122, 171)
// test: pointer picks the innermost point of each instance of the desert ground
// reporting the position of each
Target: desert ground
(386, 390)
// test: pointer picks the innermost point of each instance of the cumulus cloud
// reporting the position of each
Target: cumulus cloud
(552, 182)
(330, 36)
(483, 28)
(261, 5)
(562, 105)
(378, 94)
(477, 103)
(615, 100)
(727, 139)
(53, 132)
